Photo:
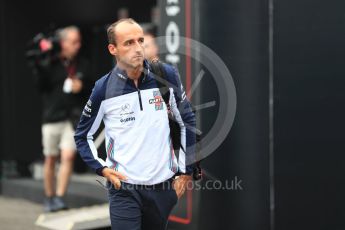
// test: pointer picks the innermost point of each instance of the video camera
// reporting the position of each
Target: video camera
(43, 47)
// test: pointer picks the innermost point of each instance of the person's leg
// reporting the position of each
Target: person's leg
(67, 147)
(49, 175)
(160, 204)
(65, 171)
(50, 140)
(125, 208)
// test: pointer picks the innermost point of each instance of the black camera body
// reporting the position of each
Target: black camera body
(43, 48)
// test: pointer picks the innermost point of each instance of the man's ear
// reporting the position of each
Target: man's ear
(112, 49)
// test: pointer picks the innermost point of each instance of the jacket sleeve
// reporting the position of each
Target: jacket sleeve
(89, 123)
(185, 116)
(86, 77)
(41, 70)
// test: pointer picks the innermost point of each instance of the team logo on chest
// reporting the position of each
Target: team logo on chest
(157, 100)
(126, 114)
(125, 109)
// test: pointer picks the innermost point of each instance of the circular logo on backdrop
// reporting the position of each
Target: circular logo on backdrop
(208, 61)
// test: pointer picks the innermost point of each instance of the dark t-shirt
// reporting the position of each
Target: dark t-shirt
(57, 104)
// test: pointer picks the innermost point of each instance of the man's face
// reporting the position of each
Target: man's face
(71, 44)
(129, 50)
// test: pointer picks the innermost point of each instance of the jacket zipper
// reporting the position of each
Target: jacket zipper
(139, 95)
(141, 104)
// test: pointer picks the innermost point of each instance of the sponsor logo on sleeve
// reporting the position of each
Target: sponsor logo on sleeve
(87, 109)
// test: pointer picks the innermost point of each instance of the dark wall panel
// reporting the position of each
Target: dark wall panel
(238, 32)
(309, 114)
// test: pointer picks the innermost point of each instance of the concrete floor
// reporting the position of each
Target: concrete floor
(18, 214)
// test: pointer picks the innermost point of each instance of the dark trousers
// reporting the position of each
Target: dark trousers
(141, 207)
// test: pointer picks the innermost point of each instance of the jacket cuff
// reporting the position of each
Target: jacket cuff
(99, 170)
(190, 169)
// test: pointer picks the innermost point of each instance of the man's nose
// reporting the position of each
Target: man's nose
(138, 47)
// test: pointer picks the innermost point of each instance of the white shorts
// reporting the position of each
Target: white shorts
(57, 136)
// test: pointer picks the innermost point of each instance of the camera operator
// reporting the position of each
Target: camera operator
(64, 84)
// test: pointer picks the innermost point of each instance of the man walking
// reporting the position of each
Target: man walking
(141, 164)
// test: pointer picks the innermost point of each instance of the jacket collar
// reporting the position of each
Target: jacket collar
(121, 74)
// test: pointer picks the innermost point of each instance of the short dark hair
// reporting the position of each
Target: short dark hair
(112, 27)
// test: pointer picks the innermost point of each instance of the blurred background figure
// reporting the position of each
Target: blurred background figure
(150, 46)
(62, 79)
